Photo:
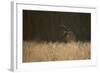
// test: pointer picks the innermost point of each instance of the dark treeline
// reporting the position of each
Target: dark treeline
(46, 25)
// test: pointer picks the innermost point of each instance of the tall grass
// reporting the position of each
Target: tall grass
(49, 51)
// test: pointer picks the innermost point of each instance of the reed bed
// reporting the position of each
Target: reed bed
(55, 51)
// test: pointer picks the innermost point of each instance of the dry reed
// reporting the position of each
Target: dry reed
(49, 51)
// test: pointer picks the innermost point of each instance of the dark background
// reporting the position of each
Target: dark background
(46, 25)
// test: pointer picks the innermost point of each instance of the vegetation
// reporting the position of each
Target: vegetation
(55, 51)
